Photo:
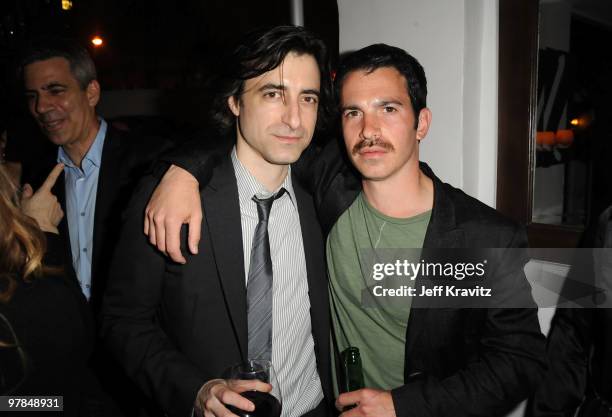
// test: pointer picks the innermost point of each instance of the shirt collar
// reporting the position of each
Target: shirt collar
(248, 186)
(93, 157)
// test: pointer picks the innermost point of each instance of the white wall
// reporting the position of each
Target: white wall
(456, 42)
(480, 99)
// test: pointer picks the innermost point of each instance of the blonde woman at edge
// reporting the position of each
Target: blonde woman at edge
(46, 334)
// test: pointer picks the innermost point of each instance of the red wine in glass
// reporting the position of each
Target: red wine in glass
(266, 405)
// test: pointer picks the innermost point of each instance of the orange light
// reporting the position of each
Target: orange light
(66, 5)
(97, 41)
(564, 137)
(545, 138)
(575, 122)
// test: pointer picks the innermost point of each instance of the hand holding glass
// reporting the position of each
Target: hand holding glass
(267, 404)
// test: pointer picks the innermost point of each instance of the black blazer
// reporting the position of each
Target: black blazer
(458, 362)
(472, 362)
(173, 327)
(125, 159)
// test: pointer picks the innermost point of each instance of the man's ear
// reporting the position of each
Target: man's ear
(234, 105)
(93, 93)
(423, 124)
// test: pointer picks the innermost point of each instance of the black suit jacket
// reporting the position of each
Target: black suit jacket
(174, 326)
(125, 159)
(458, 362)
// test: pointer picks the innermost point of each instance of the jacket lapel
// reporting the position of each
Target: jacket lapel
(222, 216)
(315, 269)
(109, 179)
(313, 251)
(59, 190)
(442, 232)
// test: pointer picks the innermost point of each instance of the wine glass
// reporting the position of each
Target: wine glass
(267, 404)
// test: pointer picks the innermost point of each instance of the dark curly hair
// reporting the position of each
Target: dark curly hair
(259, 52)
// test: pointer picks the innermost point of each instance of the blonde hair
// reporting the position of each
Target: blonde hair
(22, 243)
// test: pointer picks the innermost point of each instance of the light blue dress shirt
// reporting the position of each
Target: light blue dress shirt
(81, 190)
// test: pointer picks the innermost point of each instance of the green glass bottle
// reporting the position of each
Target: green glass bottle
(353, 370)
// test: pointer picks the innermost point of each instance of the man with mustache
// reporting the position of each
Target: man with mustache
(257, 288)
(416, 361)
(101, 168)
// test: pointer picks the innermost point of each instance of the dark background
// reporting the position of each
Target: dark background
(170, 45)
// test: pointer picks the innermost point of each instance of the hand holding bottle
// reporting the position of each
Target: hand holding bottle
(358, 401)
(368, 402)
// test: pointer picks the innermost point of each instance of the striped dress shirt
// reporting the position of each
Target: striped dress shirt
(293, 355)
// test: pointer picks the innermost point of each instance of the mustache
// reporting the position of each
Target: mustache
(368, 143)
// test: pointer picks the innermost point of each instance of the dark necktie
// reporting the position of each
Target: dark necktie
(259, 286)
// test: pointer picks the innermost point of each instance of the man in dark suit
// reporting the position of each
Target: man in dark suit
(176, 328)
(101, 164)
(417, 361)
(101, 168)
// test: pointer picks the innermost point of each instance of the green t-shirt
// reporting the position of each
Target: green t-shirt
(378, 329)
